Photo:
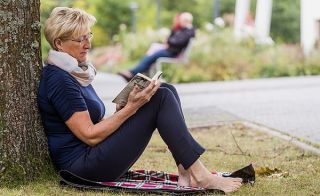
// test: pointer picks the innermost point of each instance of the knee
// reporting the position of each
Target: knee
(165, 93)
(169, 86)
(164, 98)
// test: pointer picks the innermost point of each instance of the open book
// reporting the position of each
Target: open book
(139, 79)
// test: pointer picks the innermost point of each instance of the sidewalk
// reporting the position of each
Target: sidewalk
(287, 105)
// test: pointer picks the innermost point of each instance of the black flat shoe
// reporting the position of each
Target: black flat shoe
(247, 174)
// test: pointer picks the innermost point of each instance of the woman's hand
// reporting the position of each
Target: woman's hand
(138, 97)
(92, 134)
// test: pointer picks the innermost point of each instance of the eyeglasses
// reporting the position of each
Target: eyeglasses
(84, 38)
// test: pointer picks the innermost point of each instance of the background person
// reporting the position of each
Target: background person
(160, 46)
(181, 33)
(83, 141)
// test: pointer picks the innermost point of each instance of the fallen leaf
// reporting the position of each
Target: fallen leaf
(280, 175)
(266, 171)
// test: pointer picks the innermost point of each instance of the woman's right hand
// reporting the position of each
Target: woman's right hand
(138, 97)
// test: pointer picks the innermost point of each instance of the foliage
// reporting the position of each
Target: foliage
(285, 23)
(112, 13)
(135, 45)
(311, 65)
(208, 60)
(217, 56)
(199, 9)
(227, 6)
(222, 58)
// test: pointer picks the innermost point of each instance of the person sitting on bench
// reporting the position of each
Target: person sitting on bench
(179, 38)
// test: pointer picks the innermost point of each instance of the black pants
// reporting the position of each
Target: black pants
(111, 158)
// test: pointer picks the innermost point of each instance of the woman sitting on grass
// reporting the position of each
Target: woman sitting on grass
(84, 142)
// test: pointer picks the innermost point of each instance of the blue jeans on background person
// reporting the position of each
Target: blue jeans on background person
(147, 61)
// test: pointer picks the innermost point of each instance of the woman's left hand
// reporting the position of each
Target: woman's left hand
(138, 97)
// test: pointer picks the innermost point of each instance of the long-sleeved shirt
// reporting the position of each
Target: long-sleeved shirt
(179, 39)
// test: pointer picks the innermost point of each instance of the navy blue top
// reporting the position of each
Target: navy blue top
(59, 96)
(179, 39)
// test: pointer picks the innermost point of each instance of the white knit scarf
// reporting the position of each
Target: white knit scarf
(84, 72)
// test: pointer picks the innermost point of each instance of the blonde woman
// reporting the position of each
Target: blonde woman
(84, 142)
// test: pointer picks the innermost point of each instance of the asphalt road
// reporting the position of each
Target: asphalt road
(288, 105)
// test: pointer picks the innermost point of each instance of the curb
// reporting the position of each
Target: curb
(286, 137)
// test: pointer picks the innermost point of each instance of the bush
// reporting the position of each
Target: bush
(312, 64)
(217, 56)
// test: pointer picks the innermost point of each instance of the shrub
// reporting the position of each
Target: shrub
(216, 55)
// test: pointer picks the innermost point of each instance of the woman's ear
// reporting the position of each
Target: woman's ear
(58, 44)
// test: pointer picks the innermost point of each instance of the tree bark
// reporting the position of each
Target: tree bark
(23, 150)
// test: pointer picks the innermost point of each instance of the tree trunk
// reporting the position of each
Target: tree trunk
(23, 150)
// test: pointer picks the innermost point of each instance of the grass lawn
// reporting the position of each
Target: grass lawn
(229, 147)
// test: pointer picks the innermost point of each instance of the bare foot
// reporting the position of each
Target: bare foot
(183, 180)
(186, 180)
(225, 184)
(184, 177)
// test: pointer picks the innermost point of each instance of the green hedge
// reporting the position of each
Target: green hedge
(217, 56)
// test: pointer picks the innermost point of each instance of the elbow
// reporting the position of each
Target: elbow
(91, 142)
(89, 138)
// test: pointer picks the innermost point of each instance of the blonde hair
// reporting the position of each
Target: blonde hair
(186, 19)
(67, 23)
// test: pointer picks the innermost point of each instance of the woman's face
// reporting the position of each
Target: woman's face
(78, 48)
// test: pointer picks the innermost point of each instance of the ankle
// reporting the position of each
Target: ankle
(201, 181)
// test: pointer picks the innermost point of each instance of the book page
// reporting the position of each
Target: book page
(140, 80)
(157, 75)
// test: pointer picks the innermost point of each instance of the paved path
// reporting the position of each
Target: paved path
(289, 105)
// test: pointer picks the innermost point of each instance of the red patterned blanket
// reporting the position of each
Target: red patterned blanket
(151, 181)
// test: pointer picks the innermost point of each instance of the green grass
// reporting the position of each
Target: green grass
(229, 147)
